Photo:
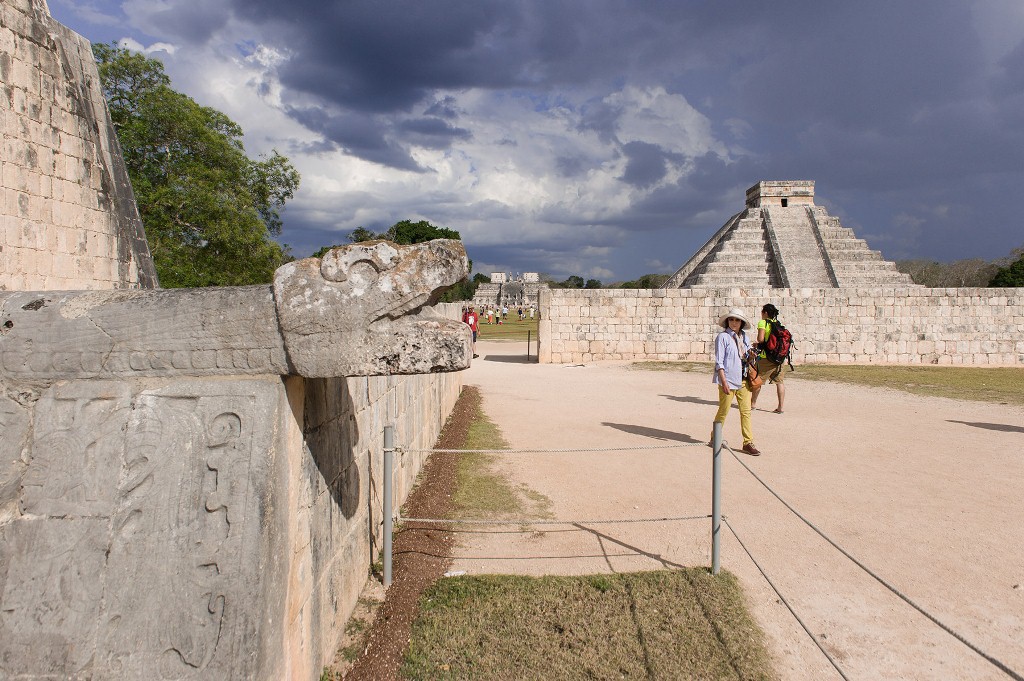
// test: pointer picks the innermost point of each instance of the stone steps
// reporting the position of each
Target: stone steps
(813, 247)
(798, 247)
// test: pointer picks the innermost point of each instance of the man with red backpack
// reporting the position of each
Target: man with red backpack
(774, 344)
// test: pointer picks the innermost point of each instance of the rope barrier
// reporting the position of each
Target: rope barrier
(531, 523)
(783, 599)
(548, 451)
(1000, 665)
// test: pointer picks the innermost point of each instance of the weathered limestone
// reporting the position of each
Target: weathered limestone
(190, 480)
(189, 486)
(782, 240)
(362, 311)
(879, 325)
(362, 298)
(67, 212)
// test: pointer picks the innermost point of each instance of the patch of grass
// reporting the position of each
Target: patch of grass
(982, 384)
(509, 329)
(672, 366)
(482, 491)
(666, 625)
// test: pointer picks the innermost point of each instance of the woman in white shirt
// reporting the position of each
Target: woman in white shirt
(731, 347)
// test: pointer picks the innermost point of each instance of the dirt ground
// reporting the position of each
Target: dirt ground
(926, 492)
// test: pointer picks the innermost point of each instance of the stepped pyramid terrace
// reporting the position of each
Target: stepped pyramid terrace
(782, 240)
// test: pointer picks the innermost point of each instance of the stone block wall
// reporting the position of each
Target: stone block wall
(68, 218)
(197, 527)
(339, 495)
(966, 326)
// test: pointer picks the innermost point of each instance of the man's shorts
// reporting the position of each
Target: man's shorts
(769, 370)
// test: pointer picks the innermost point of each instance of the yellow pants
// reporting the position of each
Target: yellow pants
(743, 399)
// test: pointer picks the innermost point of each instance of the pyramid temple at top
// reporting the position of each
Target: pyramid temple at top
(782, 240)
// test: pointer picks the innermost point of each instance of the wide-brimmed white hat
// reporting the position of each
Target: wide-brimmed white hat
(738, 314)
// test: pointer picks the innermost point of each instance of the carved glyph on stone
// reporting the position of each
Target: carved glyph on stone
(370, 305)
(156, 564)
(362, 310)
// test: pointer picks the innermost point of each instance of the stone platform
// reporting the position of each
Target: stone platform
(782, 240)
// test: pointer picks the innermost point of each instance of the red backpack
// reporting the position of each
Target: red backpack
(778, 344)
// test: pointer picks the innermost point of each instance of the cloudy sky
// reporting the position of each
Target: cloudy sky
(610, 138)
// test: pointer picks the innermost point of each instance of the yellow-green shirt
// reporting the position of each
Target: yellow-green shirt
(767, 326)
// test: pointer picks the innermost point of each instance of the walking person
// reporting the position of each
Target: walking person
(731, 348)
(473, 320)
(766, 368)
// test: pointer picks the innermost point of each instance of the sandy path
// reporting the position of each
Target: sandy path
(926, 492)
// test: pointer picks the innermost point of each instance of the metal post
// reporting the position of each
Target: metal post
(528, 332)
(389, 466)
(716, 497)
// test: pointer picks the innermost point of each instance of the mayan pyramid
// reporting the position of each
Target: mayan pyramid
(782, 240)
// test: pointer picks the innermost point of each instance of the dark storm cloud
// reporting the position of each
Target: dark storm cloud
(192, 23)
(895, 109)
(386, 57)
(358, 134)
(646, 163)
(432, 133)
(699, 202)
(443, 108)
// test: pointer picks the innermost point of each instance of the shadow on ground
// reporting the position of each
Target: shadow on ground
(1004, 427)
(692, 400)
(511, 359)
(651, 432)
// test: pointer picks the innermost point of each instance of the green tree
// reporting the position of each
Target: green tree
(574, 281)
(360, 234)
(208, 209)
(407, 232)
(646, 281)
(592, 283)
(1011, 275)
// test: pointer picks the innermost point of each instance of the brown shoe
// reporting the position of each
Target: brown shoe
(752, 450)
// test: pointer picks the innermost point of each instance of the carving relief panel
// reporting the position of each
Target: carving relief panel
(146, 548)
(77, 450)
(185, 522)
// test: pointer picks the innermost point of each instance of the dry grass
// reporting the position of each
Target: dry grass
(666, 624)
(982, 384)
(679, 624)
(482, 491)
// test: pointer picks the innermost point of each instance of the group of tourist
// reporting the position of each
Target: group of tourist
(493, 315)
(737, 360)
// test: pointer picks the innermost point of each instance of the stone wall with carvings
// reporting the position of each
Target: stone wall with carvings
(966, 326)
(216, 528)
(68, 218)
(178, 500)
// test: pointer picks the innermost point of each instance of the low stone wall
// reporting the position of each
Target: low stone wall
(197, 527)
(969, 326)
(340, 487)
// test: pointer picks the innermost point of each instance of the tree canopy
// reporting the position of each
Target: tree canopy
(208, 209)
(1011, 275)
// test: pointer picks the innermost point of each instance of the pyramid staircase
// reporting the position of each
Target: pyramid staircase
(786, 247)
